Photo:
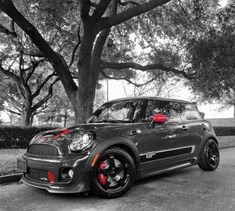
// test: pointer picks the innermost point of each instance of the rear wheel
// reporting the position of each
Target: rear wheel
(114, 174)
(210, 157)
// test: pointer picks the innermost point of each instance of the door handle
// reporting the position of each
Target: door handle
(184, 127)
(135, 132)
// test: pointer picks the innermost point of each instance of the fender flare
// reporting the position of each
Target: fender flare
(112, 142)
(209, 135)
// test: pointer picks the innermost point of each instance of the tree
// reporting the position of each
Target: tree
(97, 20)
(21, 90)
(58, 110)
(27, 80)
(213, 57)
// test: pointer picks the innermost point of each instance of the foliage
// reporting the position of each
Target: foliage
(27, 78)
(59, 109)
(91, 40)
(213, 57)
(18, 137)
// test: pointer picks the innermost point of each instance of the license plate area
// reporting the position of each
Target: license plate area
(21, 164)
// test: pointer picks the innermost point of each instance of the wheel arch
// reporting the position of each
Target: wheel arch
(130, 151)
(120, 142)
(207, 137)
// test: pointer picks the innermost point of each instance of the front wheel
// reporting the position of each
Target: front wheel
(114, 173)
(210, 157)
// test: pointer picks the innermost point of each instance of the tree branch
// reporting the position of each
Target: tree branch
(93, 4)
(55, 59)
(10, 74)
(102, 36)
(128, 80)
(85, 8)
(11, 99)
(124, 3)
(130, 13)
(32, 68)
(37, 92)
(157, 66)
(12, 112)
(4, 30)
(15, 78)
(75, 48)
(46, 98)
(100, 9)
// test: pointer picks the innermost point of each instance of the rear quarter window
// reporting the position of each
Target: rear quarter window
(189, 112)
(168, 108)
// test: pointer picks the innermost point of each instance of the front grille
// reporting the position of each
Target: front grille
(37, 175)
(44, 150)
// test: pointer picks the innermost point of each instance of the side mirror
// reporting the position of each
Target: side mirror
(159, 118)
(202, 114)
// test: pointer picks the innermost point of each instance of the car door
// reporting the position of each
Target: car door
(160, 145)
(193, 126)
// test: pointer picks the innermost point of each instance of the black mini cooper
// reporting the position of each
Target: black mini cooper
(124, 140)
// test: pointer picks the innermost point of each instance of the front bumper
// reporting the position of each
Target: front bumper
(80, 182)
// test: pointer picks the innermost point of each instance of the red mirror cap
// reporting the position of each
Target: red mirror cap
(159, 118)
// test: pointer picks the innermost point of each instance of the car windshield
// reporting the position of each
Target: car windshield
(114, 112)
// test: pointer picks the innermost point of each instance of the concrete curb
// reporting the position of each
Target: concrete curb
(224, 142)
(10, 178)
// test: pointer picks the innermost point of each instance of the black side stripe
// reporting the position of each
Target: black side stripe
(165, 154)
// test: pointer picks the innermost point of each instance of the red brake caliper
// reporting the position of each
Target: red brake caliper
(101, 177)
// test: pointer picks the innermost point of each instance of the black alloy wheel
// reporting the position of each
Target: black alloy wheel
(210, 157)
(114, 174)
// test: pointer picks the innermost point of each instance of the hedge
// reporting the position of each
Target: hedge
(17, 136)
(225, 131)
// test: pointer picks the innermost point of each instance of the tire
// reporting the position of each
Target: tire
(210, 156)
(114, 173)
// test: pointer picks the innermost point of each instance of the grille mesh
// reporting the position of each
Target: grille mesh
(36, 174)
(43, 150)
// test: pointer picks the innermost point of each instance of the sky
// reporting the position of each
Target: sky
(223, 3)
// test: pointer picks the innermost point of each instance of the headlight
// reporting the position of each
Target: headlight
(81, 141)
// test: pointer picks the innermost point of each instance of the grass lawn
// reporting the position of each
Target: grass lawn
(8, 160)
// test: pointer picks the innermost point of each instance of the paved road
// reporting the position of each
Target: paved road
(187, 189)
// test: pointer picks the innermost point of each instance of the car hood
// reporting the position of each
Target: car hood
(63, 136)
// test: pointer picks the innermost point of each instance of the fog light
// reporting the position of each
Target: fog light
(66, 174)
(70, 173)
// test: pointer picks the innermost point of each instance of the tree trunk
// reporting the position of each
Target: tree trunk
(26, 116)
(83, 102)
(27, 113)
(87, 78)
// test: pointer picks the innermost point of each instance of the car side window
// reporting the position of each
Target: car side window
(170, 109)
(189, 112)
(172, 112)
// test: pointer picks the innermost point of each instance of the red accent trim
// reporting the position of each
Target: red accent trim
(62, 133)
(51, 177)
(101, 177)
(159, 118)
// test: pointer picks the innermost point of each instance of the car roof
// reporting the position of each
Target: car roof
(150, 98)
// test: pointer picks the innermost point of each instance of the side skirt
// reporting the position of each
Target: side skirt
(179, 165)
